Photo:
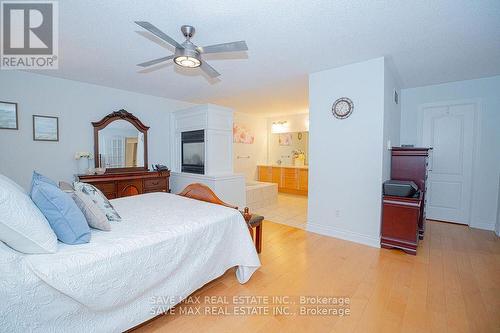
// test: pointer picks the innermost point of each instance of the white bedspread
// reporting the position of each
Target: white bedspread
(165, 243)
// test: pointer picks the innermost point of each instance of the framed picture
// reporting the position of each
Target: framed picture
(241, 134)
(8, 116)
(45, 128)
(285, 139)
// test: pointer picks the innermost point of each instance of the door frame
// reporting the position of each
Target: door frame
(476, 146)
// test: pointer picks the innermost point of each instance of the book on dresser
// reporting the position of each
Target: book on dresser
(123, 184)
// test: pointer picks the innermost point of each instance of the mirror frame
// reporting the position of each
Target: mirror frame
(121, 115)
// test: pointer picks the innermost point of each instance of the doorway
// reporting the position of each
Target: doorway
(450, 129)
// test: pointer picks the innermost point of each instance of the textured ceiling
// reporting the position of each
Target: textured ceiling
(427, 42)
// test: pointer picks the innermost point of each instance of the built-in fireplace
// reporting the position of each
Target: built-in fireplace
(193, 151)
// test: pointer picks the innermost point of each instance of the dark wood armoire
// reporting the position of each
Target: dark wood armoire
(403, 219)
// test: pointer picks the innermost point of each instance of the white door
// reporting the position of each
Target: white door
(449, 130)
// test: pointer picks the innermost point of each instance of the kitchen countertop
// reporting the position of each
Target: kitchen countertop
(285, 166)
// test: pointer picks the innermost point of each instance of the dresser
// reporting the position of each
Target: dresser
(412, 164)
(123, 184)
(400, 218)
(403, 218)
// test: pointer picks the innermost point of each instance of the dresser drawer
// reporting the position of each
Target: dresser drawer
(155, 184)
(105, 187)
(129, 187)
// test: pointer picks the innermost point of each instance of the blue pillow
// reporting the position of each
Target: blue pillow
(41, 178)
(64, 216)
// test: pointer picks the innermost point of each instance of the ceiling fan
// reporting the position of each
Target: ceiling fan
(187, 54)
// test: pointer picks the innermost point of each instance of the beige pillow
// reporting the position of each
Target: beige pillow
(66, 187)
(94, 215)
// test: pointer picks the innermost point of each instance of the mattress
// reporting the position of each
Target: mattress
(165, 245)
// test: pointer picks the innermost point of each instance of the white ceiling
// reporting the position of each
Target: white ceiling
(427, 42)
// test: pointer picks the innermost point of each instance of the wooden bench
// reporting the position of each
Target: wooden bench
(254, 221)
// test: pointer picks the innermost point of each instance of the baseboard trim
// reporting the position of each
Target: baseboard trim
(343, 234)
(484, 226)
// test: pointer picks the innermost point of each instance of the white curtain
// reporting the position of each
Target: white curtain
(140, 150)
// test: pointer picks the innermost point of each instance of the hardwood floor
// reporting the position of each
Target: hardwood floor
(452, 285)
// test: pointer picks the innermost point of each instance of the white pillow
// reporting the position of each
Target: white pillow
(22, 226)
(10, 181)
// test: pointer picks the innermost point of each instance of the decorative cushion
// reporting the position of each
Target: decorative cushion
(99, 199)
(22, 226)
(66, 187)
(64, 216)
(94, 215)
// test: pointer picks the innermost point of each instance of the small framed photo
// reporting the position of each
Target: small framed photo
(45, 128)
(8, 116)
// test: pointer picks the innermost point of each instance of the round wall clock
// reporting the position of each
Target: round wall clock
(342, 108)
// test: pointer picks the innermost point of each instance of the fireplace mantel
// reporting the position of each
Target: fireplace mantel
(217, 122)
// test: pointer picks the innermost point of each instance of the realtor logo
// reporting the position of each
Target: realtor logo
(29, 35)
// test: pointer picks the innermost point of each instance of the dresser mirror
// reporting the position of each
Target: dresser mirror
(121, 143)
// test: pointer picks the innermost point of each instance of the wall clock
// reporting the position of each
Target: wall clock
(342, 108)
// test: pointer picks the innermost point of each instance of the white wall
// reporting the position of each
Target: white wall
(257, 151)
(294, 122)
(497, 227)
(285, 153)
(346, 157)
(392, 119)
(260, 151)
(487, 163)
(77, 105)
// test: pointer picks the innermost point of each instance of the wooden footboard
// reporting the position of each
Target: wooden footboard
(203, 193)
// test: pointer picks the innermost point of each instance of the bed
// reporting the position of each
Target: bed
(165, 246)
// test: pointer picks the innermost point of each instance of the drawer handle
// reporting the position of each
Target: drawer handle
(156, 183)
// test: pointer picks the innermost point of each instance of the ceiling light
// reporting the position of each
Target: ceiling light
(187, 61)
(279, 127)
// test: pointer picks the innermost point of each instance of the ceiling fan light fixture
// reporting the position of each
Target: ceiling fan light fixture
(187, 54)
(187, 61)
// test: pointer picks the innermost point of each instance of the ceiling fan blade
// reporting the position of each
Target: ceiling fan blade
(155, 61)
(225, 47)
(157, 32)
(209, 70)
